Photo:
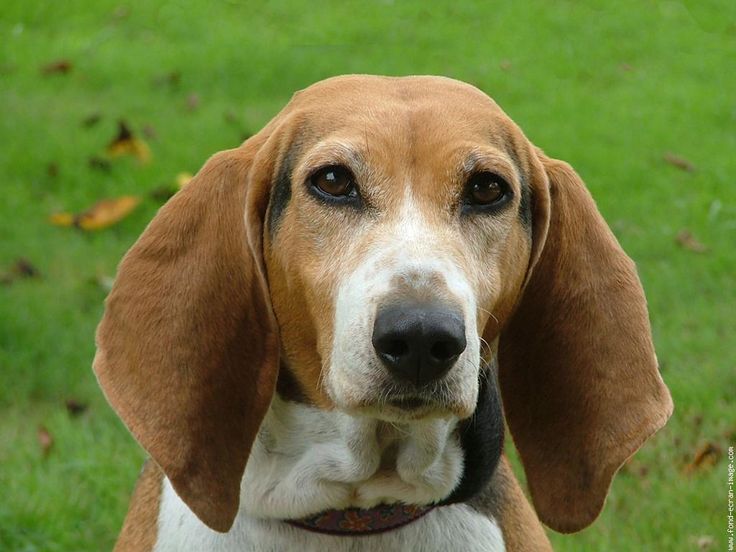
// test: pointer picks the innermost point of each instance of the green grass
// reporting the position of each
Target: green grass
(610, 89)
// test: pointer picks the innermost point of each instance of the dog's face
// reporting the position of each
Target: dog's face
(399, 228)
(375, 236)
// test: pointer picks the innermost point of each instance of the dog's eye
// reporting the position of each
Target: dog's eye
(336, 181)
(486, 188)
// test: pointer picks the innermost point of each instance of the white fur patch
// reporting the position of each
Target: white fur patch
(449, 528)
(306, 460)
(407, 251)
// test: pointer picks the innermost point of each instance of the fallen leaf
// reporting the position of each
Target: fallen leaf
(150, 132)
(679, 162)
(193, 102)
(183, 178)
(45, 440)
(22, 268)
(127, 144)
(99, 163)
(163, 192)
(706, 456)
(172, 79)
(75, 408)
(704, 542)
(91, 120)
(505, 65)
(102, 214)
(52, 169)
(60, 66)
(25, 269)
(62, 219)
(687, 241)
(626, 67)
(107, 212)
(231, 118)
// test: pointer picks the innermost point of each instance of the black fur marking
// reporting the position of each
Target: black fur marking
(288, 387)
(525, 205)
(481, 438)
(281, 191)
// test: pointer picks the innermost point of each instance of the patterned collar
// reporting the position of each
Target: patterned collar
(359, 522)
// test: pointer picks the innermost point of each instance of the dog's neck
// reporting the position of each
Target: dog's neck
(307, 460)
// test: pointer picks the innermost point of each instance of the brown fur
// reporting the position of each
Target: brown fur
(189, 344)
(505, 501)
(178, 328)
(141, 524)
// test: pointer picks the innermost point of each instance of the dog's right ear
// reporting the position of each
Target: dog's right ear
(188, 346)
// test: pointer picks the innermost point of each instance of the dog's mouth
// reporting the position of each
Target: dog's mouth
(406, 407)
(409, 402)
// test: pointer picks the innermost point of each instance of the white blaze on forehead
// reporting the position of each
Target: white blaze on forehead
(414, 254)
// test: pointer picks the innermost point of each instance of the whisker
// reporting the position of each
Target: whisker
(489, 313)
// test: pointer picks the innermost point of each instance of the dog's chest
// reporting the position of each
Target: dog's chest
(455, 527)
(306, 460)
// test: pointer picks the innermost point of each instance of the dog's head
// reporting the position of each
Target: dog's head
(377, 240)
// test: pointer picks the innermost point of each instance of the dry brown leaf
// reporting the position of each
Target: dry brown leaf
(193, 102)
(505, 65)
(149, 131)
(706, 456)
(45, 440)
(705, 542)
(679, 162)
(24, 269)
(91, 120)
(231, 118)
(102, 214)
(99, 163)
(127, 144)
(107, 212)
(52, 170)
(20, 269)
(62, 219)
(60, 66)
(687, 241)
(163, 193)
(172, 80)
(75, 408)
(183, 178)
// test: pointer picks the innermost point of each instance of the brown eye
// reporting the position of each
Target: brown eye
(486, 188)
(335, 181)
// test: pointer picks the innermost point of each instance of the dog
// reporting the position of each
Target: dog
(320, 339)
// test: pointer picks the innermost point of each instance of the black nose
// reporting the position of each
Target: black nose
(418, 343)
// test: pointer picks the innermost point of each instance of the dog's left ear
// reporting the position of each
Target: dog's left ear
(578, 373)
(188, 346)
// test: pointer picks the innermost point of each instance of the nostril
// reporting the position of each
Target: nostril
(393, 347)
(444, 350)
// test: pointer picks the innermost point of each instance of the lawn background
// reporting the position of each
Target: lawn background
(611, 89)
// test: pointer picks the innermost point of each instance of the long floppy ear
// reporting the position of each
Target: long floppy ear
(578, 373)
(187, 348)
